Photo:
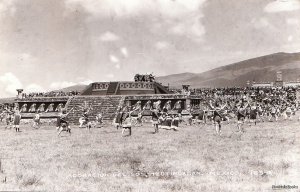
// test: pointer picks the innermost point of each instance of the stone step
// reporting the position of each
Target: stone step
(107, 105)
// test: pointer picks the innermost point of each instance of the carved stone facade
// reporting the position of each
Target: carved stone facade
(136, 86)
(125, 88)
(101, 86)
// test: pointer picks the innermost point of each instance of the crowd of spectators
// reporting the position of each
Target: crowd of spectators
(49, 94)
(279, 98)
(247, 91)
(274, 95)
(237, 92)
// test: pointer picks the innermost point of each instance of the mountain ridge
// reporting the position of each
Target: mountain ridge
(259, 69)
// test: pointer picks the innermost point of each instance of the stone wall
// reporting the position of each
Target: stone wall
(110, 105)
(107, 105)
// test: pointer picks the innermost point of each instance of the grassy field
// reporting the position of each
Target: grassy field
(191, 159)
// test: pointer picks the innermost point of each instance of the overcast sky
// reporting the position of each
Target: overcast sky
(49, 44)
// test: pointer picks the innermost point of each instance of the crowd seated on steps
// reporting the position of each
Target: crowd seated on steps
(48, 94)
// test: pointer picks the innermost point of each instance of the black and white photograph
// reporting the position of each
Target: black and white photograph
(150, 95)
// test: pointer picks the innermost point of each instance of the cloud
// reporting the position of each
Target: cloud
(25, 56)
(124, 51)
(60, 85)
(7, 6)
(8, 84)
(261, 22)
(55, 41)
(190, 27)
(128, 8)
(110, 75)
(292, 21)
(86, 82)
(292, 47)
(184, 14)
(109, 36)
(178, 8)
(117, 66)
(160, 45)
(114, 59)
(282, 5)
(290, 38)
(64, 84)
(34, 88)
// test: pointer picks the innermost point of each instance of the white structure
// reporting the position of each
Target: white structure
(263, 84)
(291, 84)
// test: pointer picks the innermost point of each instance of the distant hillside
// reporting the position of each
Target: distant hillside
(260, 69)
(78, 88)
(7, 100)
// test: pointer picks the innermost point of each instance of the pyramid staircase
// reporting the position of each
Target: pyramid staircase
(107, 105)
(112, 88)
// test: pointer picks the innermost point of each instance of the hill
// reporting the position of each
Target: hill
(79, 88)
(7, 100)
(260, 69)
